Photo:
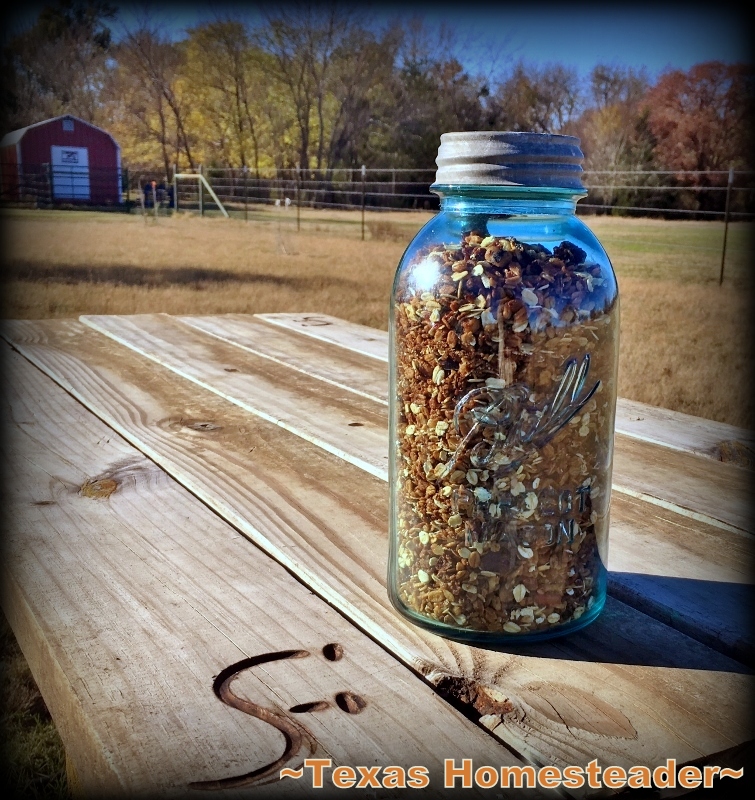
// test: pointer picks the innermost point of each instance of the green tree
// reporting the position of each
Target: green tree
(433, 94)
(359, 97)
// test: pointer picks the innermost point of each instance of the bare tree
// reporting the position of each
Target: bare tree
(614, 84)
(611, 128)
(541, 99)
(155, 64)
(302, 40)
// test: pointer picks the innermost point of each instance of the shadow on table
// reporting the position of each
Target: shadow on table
(660, 621)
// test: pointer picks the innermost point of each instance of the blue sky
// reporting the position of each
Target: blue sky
(489, 36)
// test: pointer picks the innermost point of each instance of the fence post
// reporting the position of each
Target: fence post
(726, 223)
(246, 193)
(201, 193)
(364, 175)
(298, 197)
(154, 197)
(128, 190)
(50, 184)
(175, 188)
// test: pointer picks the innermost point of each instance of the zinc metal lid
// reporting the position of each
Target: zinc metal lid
(509, 158)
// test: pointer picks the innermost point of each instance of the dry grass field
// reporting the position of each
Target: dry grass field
(686, 341)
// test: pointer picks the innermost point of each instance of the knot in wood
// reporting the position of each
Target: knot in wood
(99, 489)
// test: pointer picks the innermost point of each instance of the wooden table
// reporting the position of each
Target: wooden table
(196, 498)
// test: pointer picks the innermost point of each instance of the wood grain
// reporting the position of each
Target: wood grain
(128, 602)
(358, 338)
(320, 412)
(679, 431)
(683, 482)
(643, 467)
(696, 578)
(326, 521)
(346, 369)
(691, 485)
(639, 420)
(683, 602)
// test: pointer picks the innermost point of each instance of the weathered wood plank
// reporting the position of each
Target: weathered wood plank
(685, 604)
(639, 420)
(680, 481)
(319, 412)
(696, 578)
(129, 596)
(343, 368)
(679, 431)
(626, 690)
(693, 486)
(643, 467)
(359, 338)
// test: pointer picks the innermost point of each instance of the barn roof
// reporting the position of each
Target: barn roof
(14, 137)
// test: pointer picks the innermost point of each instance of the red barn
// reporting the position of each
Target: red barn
(63, 159)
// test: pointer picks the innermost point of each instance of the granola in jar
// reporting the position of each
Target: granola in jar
(504, 365)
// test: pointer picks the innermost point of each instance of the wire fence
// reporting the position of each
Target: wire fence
(345, 189)
(49, 185)
(692, 194)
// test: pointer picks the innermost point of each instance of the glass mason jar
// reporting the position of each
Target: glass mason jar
(504, 349)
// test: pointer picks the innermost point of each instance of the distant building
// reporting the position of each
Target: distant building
(64, 160)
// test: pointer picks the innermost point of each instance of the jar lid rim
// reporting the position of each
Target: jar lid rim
(508, 135)
(512, 158)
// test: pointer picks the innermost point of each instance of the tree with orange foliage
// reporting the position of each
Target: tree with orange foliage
(702, 119)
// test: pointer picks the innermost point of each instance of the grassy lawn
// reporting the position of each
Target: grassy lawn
(32, 760)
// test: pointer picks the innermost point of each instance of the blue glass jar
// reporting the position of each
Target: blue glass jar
(504, 351)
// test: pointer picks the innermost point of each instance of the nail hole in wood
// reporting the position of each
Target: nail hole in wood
(350, 703)
(203, 426)
(356, 424)
(333, 651)
(306, 708)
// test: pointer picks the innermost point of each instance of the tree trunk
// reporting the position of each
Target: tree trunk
(255, 143)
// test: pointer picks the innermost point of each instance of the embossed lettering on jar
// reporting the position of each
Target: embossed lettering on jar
(504, 344)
